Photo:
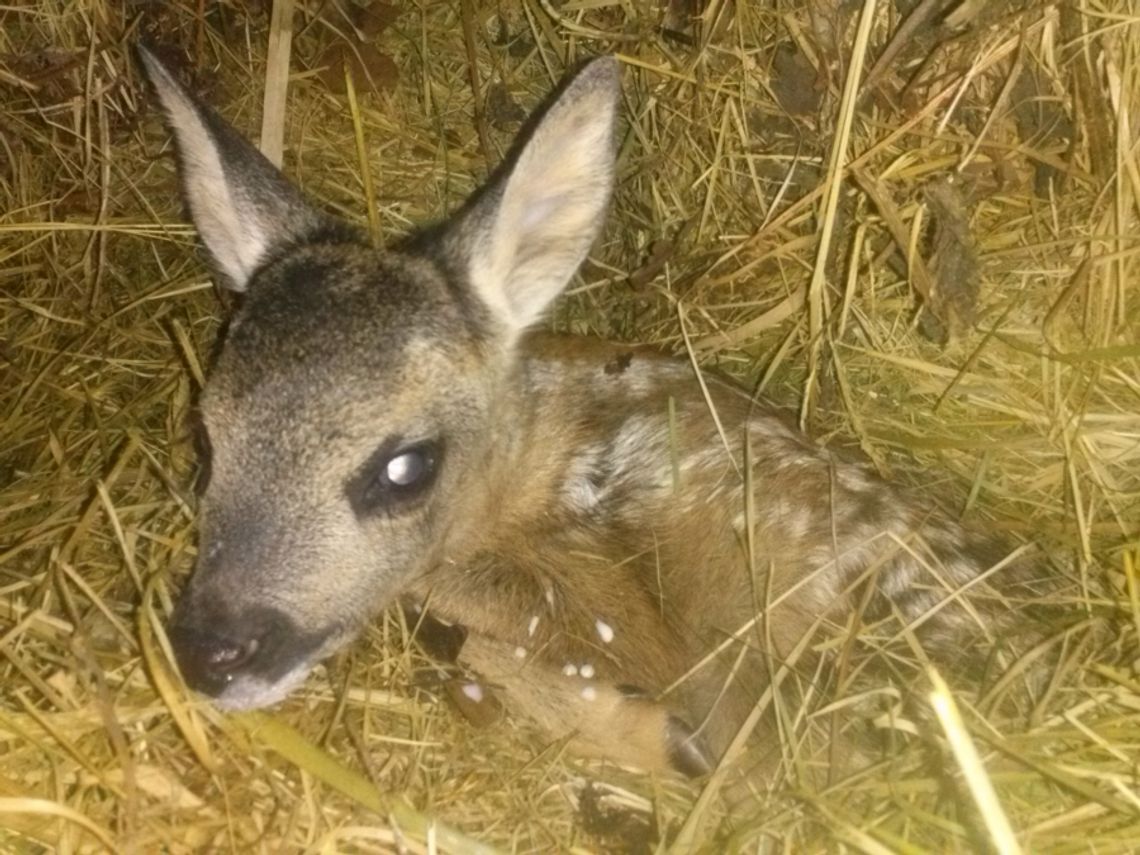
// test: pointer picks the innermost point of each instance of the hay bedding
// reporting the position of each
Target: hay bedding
(938, 266)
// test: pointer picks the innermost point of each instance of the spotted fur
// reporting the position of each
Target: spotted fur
(578, 529)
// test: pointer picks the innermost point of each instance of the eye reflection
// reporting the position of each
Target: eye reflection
(407, 468)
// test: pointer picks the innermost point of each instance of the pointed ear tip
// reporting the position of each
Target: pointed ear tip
(144, 53)
(152, 65)
(604, 71)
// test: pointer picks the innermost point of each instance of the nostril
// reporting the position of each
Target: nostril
(230, 656)
(209, 662)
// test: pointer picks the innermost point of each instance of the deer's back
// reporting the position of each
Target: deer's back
(624, 534)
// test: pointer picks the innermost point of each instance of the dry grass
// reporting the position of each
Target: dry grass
(776, 215)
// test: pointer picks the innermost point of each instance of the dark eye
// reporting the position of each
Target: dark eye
(395, 477)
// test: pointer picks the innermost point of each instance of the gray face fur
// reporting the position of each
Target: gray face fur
(353, 403)
(327, 373)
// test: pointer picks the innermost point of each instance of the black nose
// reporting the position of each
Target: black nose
(213, 645)
(210, 661)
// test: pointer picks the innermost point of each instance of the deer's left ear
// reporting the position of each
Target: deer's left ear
(243, 207)
(523, 237)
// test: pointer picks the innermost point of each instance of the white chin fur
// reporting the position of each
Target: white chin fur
(250, 693)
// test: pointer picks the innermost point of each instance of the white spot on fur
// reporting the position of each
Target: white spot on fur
(645, 377)
(605, 631)
(520, 653)
(706, 458)
(589, 693)
(570, 670)
(587, 671)
(579, 490)
(581, 494)
(856, 479)
(639, 381)
(549, 594)
(473, 691)
(635, 445)
(532, 626)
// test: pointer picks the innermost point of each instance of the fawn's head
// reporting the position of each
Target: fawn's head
(354, 398)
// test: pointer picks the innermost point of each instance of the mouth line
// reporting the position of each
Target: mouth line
(321, 646)
(255, 691)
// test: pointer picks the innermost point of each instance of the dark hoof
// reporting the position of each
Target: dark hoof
(475, 700)
(439, 640)
(686, 752)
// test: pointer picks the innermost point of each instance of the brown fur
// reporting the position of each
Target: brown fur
(589, 526)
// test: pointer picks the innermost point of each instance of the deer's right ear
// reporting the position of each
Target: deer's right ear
(243, 207)
(520, 240)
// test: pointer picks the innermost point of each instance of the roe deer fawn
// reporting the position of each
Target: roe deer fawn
(627, 554)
